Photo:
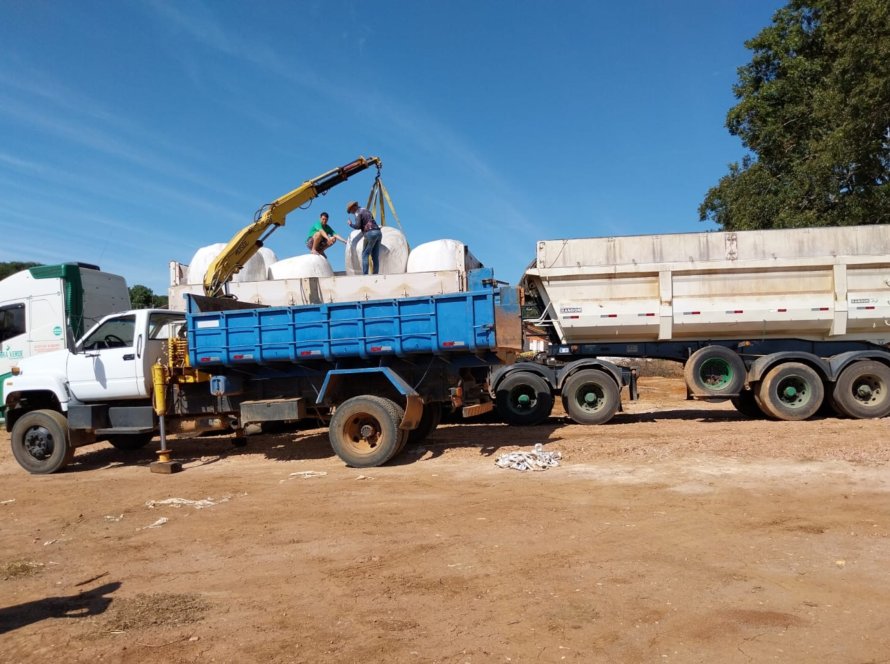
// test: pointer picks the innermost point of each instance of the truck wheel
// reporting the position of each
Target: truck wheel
(364, 431)
(714, 371)
(591, 397)
(524, 399)
(791, 391)
(432, 415)
(131, 441)
(863, 390)
(40, 442)
(746, 404)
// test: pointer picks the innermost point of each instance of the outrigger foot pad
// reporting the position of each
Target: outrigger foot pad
(164, 465)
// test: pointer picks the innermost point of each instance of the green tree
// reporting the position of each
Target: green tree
(814, 111)
(7, 269)
(142, 297)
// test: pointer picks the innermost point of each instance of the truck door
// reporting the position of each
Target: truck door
(105, 364)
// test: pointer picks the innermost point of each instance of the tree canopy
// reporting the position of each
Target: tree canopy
(142, 297)
(11, 267)
(814, 111)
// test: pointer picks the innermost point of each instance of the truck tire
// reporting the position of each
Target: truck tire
(364, 431)
(131, 441)
(591, 397)
(746, 404)
(791, 391)
(863, 390)
(40, 442)
(714, 372)
(524, 399)
(432, 415)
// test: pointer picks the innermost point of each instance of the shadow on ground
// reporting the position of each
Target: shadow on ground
(89, 603)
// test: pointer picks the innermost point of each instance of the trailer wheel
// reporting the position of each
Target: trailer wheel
(863, 390)
(131, 441)
(364, 431)
(746, 404)
(591, 397)
(40, 442)
(714, 371)
(791, 391)
(432, 415)
(524, 399)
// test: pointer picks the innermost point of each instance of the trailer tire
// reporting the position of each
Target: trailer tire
(40, 442)
(131, 441)
(432, 415)
(746, 404)
(714, 371)
(591, 396)
(863, 390)
(364, 431)
(524, 399)
(791, 391)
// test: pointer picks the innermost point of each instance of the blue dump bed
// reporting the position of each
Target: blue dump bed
(487, 319)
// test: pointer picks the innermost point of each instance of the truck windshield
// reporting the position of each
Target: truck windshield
(114, 333)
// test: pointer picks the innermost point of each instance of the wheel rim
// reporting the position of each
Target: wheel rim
(869, 390)
(590, 397)
(39, 443)
(794, 391)
(523, 398)
(716, 373)
(362, 433)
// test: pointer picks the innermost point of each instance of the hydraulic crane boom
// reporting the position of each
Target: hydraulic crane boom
(269, 217)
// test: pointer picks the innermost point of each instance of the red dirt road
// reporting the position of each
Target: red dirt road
(681, 532)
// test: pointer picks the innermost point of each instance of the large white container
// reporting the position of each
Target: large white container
(300, 267)
(812, 283)
(256, 268)
(442, 255)
(393, 252)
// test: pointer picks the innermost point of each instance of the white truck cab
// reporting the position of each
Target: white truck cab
(114, 359)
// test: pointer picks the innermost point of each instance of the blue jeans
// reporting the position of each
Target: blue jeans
(372, 249)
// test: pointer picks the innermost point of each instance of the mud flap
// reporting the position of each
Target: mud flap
(413, 412)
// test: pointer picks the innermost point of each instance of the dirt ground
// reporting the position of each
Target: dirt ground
(680, 532)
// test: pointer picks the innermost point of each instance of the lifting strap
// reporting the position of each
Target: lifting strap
(377, 201)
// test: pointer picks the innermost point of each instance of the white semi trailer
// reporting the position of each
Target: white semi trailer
(779, 321)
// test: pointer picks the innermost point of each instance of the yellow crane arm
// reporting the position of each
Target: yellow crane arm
(249, 239)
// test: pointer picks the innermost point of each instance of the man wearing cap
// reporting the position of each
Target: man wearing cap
(371, 234)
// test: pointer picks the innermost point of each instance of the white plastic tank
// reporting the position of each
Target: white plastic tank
(256, 268)
(442, 255)
(393, 252)
(269, 259)
(301, 267)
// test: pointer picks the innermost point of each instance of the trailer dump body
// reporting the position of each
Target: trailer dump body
(477, 321)
(814, 283)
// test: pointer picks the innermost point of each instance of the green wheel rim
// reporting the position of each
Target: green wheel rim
(590, 397)
(794, 391)
(716, 373)
(869, 390)
(523, 398)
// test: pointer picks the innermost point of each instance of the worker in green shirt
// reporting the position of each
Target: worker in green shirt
(322, 236)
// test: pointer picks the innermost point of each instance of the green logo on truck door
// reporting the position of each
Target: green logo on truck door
(8, 354)
(57, 330)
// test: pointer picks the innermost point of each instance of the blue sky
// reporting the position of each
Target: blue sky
(134, 132)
